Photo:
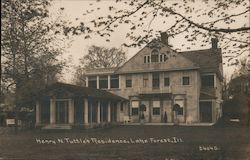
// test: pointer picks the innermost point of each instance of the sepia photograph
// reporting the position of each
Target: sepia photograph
(125, 80)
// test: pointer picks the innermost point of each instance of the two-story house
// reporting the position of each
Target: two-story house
(166, 86)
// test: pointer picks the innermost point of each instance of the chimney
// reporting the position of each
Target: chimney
(164, 38)
(214, 43)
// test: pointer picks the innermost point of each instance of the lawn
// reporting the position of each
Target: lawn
(130, 142)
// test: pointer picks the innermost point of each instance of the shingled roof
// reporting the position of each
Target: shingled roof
(79, 91)
(208, 60)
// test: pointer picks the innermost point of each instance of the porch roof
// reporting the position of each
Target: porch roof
(156, 95)
(70, 90)
(206, 96)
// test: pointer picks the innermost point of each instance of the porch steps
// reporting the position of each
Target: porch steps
(170, 124)
(57, 127)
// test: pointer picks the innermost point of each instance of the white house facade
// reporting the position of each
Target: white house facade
(164, 86)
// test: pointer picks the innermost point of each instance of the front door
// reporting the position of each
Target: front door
(62, 108)
(206, 112)
(167, 112)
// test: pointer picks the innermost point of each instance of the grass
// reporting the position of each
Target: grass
(231, 143)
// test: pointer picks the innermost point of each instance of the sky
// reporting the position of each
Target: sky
(73, 11)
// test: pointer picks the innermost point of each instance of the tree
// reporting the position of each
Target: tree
(30, 48)
(240, 81)
(98, 57)
(226, 20)
(236, 104)
(101, 57)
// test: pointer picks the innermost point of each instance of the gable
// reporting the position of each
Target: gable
(174, 60)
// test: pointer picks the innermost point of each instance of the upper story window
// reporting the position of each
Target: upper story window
(92, 81)
(128, 81)
(156, 80)
(114, 81)
(155, 56)
(145, 80)
(165, 57)
(207, 80)
(103, 82)
(161, 57)
(166, 79)
(186, 80)
(147, 59)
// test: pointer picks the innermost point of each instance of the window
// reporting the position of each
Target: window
(161, 59)
(156, 107)
(114, 81)
(165, 57)
(185, 80)
(207, 80)
(155, 56)
(103, 82)
(145, 80)
(166, 81)
(128, 81)
(135, 107)
(135, 111)
(156, 80)
(156, 111)
(92, 82)
(145, 59)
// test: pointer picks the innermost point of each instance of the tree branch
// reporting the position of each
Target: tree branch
(233, 15)
(125, 15)
(224, 30)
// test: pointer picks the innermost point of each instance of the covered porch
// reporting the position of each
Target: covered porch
(64, 104)
(158, 108)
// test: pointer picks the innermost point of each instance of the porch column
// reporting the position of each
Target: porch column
(150, 111)
(98, 111)
(120, 82)
(86, 107)
(52, 111)
(109, 111)
(38, 113)
(118, 111)
(108, 81)
(71, 111)
(87, 81)
(97, 82)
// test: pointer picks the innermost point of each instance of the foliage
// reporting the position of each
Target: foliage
(79, 76)
(196, 21)
(98, 57)
(101, 57)
(30, 47)
(240, 83)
